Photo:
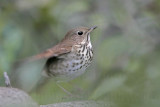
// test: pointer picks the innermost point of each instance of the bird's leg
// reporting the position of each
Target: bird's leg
(70, 94)
(67, 92)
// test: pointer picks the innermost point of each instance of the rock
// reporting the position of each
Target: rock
(12, 97)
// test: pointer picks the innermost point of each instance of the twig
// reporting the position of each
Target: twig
(7, 80)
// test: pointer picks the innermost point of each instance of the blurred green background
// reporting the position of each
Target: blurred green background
(126, 68)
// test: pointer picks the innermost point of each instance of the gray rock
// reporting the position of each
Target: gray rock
(12, 97)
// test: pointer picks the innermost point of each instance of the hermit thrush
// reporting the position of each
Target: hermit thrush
(69, 58)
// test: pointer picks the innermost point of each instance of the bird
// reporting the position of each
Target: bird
(70, 57)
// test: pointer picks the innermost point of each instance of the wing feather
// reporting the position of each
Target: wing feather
(55, 51)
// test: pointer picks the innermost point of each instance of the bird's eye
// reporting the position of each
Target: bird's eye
(80, 33)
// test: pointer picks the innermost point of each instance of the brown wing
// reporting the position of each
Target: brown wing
(55, 51)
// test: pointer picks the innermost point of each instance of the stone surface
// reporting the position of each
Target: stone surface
(12, 97)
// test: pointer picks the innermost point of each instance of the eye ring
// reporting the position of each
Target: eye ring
(80, 32)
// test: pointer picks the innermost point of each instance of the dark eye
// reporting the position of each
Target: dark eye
(80, 33)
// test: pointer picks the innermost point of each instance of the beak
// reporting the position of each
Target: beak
(92, 28)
